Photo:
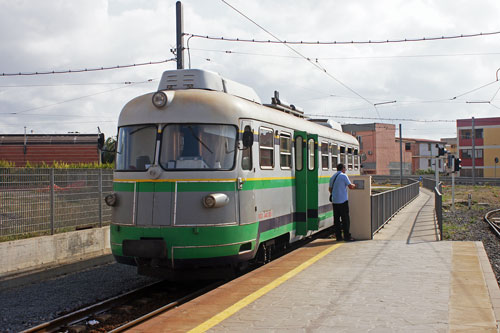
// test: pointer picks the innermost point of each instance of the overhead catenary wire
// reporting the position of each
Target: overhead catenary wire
(384, 41)
(74, 99)
(298, 53)
(388, 119)
(71, 71)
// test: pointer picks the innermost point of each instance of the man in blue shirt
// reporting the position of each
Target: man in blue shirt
(339, 183)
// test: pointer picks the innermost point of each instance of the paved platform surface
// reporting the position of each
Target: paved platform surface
(403, 280)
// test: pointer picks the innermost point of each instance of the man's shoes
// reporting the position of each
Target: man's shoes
(339, 239)
(350, 239)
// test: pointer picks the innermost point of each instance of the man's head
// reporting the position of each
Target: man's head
(340, 167)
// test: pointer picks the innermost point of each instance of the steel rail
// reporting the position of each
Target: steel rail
(84, 313)
(494, 226)
(167, 307)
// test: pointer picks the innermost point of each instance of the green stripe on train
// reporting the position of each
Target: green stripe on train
(201, 242)
(201, 186)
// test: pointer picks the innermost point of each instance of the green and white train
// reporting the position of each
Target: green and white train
(208, 178)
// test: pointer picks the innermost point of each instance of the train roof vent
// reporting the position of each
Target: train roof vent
(280, 104)
(328, 123)
(181, 79)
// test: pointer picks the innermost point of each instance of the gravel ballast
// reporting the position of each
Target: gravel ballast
(29, 305)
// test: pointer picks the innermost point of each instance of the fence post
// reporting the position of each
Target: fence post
(100, 198)
(52, 203)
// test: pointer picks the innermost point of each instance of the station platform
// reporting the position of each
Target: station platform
(402, 280)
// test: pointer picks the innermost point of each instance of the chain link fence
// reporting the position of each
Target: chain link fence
(42, 201)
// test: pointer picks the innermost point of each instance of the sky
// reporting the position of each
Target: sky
(422, 85)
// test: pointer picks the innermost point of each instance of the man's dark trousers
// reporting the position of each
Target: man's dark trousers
(341, 220)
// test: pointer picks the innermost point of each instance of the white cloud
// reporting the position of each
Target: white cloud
(59, 35)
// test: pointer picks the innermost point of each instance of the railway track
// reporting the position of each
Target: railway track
(127, 310)
(493, 219)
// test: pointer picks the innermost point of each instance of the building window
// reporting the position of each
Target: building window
(285, 151)
(429, 163)
(324, 155)
(266, 148)
(465, 134)
(429, 147)
(407, 146)
(334, 151)
(467, 153)
(479, 133)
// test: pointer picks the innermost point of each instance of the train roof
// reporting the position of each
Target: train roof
(205, 95)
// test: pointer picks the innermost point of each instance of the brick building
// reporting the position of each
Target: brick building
(379, 149)
(48, 148)
(487, 146)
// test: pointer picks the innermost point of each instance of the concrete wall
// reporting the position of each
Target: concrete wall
(48, 251)
(360, 209)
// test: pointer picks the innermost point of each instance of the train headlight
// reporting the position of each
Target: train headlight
(159, 99)
(110, 199)
(215, 200)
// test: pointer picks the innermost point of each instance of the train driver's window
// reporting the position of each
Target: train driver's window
(334, 151)
(342, 155)
(350, 158)
(198, 146)
(299, 148)
(285, 150)
(266, 148)
(246, 155)
(135, 147)
(324, 155)
(311, 161)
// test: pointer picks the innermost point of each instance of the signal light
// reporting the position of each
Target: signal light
(458, 163)
(100, 140)
(441, 151)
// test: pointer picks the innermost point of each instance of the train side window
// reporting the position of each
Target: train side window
(350, 158)
(299, 142)
(324, 155)
(246, 155)
(285, 151)
(356, 159)
(266, 148)
(334, 151)
(342, 155)
(311, 154)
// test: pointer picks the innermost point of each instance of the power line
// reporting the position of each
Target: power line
(74, 99)
(69, 71)
(385, 41)
(65, 84)
(388, 119)
(352, 58)
(298, 53)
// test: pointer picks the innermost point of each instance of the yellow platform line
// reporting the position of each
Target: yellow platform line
(261, 292)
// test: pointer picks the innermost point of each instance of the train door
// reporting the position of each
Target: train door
(312, 182)
(301, 182)
(246, 167)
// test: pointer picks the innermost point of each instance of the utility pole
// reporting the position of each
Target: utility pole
(400, 157)
(473, 153)
(180, 35)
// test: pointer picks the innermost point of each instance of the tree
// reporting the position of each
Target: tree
(109, 150)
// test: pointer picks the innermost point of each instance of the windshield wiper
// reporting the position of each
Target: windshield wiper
(198, 139)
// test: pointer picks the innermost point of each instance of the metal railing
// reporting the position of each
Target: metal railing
(34, 201)
(438, 207)
(386, 204)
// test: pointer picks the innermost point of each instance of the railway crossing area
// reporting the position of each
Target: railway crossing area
(402, 280)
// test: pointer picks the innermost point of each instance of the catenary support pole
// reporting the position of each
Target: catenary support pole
(180, 35)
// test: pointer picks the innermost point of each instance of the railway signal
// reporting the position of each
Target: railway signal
(458, 164)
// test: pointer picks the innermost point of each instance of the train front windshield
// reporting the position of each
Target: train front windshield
(182, 147)
(198, 146)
